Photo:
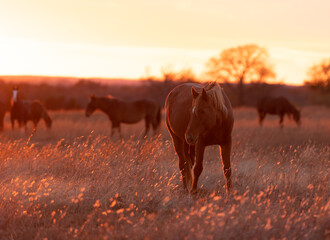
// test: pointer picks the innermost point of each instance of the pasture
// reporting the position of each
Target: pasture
(74, 182)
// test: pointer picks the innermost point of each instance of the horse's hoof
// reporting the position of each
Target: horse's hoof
(193, 191)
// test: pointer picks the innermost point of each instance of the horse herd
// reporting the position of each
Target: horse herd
(196, 116)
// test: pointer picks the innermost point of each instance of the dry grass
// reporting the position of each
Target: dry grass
(73, 182)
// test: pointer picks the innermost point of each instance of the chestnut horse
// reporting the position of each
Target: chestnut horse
(198, 116)
(2, 115)
(27, 110)
(277, 106)
(119, 111)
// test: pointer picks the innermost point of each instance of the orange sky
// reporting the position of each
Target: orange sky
(132, 38)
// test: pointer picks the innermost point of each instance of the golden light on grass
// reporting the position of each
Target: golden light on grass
(76, 184)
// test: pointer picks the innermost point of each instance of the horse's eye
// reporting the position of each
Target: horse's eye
(201, 112)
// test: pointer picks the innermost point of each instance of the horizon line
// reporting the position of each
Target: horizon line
(120, 79)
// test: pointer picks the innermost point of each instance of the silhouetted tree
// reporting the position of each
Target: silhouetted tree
(319, 76)
(248, 63)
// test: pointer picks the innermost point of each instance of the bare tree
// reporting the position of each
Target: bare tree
(319, 76)
(248, 63)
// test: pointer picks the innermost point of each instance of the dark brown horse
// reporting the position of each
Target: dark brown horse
(277, 106)
(27, 110)
(198, 116)
(119, 111)
(2, 115)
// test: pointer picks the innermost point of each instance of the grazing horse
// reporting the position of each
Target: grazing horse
(198, 116)
(119, 111)
(27, 110)
(2, 115)
(277, 106)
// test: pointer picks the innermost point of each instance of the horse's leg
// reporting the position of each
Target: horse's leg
(119, 131)
(183, 164)
(35, 123)
(1, 123)
(114, 126)
(262, 116)
(22, 123)
(25, 127)
(112, 130)
(225, 150)
(192, 154)
(147, 124)
(281, 120)
(198, 167)
(155, 125)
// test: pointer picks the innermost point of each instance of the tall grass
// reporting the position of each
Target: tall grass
(74, 182)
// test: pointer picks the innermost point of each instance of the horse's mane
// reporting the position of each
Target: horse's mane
(110, 96)
(215, 93)
(111, 99)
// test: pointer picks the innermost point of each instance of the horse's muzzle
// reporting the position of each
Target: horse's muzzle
(190, 139)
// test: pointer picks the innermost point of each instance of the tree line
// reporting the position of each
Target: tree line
(76, 96)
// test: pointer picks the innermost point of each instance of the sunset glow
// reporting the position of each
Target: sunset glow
(134, 39)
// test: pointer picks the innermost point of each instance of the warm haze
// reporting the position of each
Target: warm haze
(135, 38)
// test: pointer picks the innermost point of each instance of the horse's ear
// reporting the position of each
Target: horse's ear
(204, 95)
(194, 93)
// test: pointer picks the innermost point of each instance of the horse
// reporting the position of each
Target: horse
(198, 116)
(277, 106)
(119, 111)
(2, 115)
(27, 110)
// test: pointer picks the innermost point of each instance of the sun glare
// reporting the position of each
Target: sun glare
(39, 58)
(292, 65)
(123, 39)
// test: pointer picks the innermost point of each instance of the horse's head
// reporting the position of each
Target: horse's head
(296, 117)
(15, 94)
(91, 107)
(203, 116)
(48, 122)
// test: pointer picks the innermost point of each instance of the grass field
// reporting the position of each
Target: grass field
(74, 182)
